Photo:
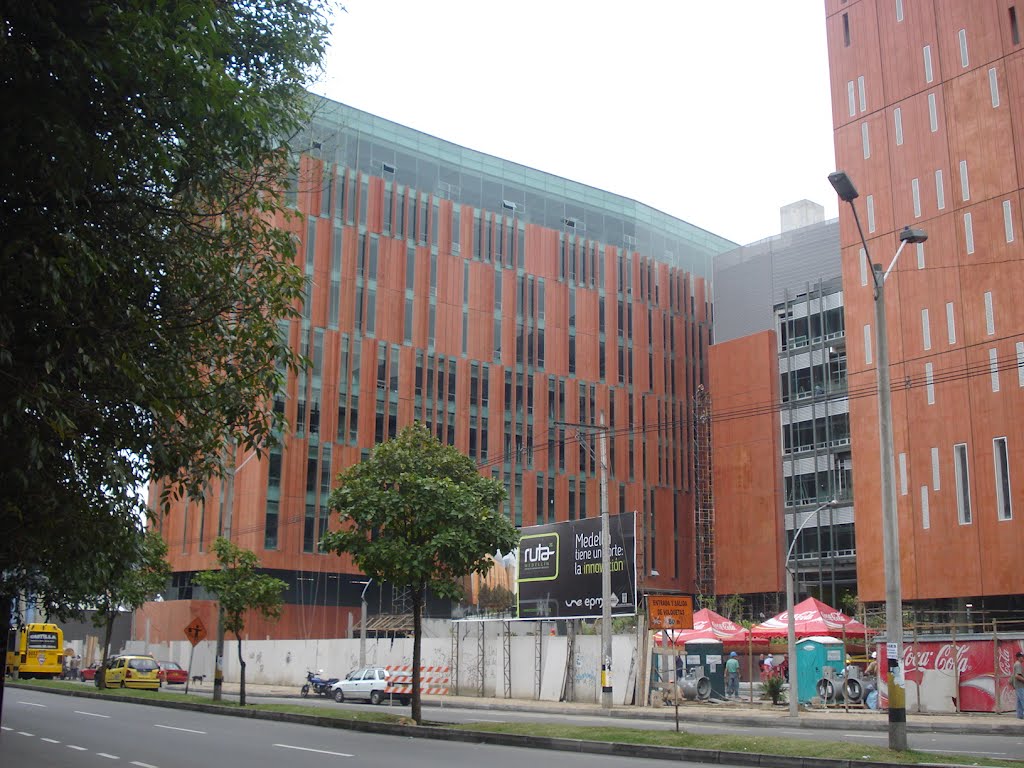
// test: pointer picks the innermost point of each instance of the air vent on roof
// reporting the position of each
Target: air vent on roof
(508, 205)
(387, 167)
(570, 223)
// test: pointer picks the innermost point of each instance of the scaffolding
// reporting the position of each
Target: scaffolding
(704, 518)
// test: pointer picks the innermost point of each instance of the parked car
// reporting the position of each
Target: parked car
(88, 674)
(366, 684)
(132, 672)
(172, 673)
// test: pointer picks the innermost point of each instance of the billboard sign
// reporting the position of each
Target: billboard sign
(559, 569)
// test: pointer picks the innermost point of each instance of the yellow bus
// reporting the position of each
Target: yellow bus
(35, 650)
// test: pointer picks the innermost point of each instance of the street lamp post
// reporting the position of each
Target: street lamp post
(890, 523)
(794, 692)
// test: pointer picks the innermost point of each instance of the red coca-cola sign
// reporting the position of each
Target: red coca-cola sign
(942, 674)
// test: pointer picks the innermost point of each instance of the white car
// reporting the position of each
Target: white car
(367, 684)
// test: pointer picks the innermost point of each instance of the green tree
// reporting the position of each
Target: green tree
(131, 580)
(731, 606)
(239, 587)
(418, 514)
(145, 260)
(498, 599)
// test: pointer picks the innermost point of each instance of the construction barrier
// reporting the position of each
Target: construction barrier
(434, 680)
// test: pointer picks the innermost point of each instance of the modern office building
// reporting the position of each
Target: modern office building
(781, 426)
(508, 309)
(928, 110)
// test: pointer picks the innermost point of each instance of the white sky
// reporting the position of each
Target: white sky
(715, 112)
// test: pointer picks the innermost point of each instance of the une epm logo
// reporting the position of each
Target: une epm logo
(538, 557)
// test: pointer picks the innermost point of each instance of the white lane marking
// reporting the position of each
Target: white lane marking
(26, 733)
(90, 714)
(484, 721)
(972, 752)
(32, 704)
(318, 751)
(51, 741)
(109, 757)
(172, 728)
(142, 765)
(72, 746)
(5, 728)
(861, 736)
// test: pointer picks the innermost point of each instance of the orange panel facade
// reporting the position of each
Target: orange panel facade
(499, 314)
(749, 536)
(937, 145)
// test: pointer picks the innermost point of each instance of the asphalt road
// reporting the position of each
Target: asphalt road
(988, 745)
(43, 729)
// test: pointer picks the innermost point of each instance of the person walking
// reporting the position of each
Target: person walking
(1018, 683)
(732, 676)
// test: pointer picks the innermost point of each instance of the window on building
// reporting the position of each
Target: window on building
(846, 30)
(1001, 459)
(963, 483)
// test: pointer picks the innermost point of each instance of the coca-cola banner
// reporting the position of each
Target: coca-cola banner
(939, 674)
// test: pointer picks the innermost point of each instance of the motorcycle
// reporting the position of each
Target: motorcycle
(317, 683)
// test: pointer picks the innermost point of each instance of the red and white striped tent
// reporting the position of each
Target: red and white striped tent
(811, 617)
(707, 625)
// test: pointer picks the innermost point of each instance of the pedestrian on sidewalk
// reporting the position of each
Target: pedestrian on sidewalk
(1018, 683)
(732, 676)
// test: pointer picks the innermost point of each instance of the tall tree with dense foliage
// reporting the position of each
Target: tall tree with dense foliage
(239, 588)
(145, 265)
(418, 514)
(135, 577)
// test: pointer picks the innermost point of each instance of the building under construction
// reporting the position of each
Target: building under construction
(495, 303)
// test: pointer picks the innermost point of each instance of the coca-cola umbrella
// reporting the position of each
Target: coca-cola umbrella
(811, 617)
(707, 625)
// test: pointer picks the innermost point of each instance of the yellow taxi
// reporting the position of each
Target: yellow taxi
(132, 672)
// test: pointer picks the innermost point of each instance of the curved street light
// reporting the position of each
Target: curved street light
(794, 693)
(890, 524)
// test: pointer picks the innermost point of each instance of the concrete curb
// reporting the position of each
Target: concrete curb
(650, 752)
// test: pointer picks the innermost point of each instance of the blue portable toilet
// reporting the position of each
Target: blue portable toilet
(813, 654)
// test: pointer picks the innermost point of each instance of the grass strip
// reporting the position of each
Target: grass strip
(767, 745)
(230, 702)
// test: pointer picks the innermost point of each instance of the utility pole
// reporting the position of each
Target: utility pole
(229, 505)
(606, 576)
(362, 623)
(890, 527)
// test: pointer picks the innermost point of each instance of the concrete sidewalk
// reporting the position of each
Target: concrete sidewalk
(739, 712)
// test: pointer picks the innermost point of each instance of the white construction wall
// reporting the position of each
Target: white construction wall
(285, 662)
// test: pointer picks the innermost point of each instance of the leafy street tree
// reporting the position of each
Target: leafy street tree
(497, 599)
(239, 588)
(140, 573)
(146, 265)
(418, 514)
